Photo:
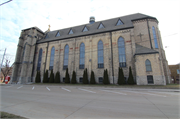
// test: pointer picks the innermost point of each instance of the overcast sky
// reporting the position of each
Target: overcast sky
(21, 14)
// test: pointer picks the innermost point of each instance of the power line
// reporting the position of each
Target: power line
(170, 35)
(5, 2)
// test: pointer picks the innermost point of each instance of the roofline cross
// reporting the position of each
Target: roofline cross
(140, 36)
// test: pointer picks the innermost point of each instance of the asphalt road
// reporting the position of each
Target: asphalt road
(66, 102)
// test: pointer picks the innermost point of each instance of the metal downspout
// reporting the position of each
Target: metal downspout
(33, 63)
(112, 57)
(149, 34)
(46, 56)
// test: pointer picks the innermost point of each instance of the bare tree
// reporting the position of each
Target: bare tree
(6, 67)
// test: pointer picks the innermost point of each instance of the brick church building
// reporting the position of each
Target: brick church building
(133, 40)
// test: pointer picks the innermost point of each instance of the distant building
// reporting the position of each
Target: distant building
(132, 40)
(175, 72)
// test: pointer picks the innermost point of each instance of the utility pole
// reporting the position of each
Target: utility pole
(2, 60)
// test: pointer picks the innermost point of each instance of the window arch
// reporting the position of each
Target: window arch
(66, 56)
(82, 56)
(148, 65)
(122, 54)
(52, 59)
(24, 51)
(155, 38)
(39, 60)
(100, 55)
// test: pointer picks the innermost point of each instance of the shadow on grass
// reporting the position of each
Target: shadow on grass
(6, 115)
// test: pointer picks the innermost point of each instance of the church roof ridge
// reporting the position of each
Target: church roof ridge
(109, 24)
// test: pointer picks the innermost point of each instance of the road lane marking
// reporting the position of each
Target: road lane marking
(86, 90)
(48, 88)
(114, 92)
(33, 88)
(66, 89)
(19, 87)
(8, 86)
(147, 93)
(165, 93)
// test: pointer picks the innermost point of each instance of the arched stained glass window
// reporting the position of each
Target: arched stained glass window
(39, 60)
(24, 51)
(52, 59)
(155, 38)
(148, 65)
(82, 56)
(100, 55)
(122, 54)
(66, 56)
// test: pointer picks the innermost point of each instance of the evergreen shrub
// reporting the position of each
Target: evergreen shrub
(130, 78)
(85, 77)
(38, 77)
(106, 77)
(92, 79)
(67, 78)
(73, 80)
(121, 79)
(57, 77)
(51, 80)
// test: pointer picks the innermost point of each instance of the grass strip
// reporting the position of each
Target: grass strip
(6, 115)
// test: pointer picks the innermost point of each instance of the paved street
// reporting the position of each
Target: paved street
(66, 102)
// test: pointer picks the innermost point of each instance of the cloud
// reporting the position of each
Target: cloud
(22, 14)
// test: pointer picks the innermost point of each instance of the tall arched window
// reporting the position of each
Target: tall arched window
(148, 65)
(39, 60)
(82, 56)
(122, 54)
(100, 55)
(52, 59)
(66, 55)
(155, 38)
(24, 51)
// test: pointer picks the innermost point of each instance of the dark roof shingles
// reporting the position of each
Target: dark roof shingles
(109, 25)
(144, 50)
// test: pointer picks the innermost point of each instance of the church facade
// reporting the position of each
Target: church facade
(132, 40)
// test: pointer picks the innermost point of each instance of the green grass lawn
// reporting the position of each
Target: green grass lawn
(6, 115)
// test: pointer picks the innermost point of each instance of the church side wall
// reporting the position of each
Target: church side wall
(91, 55)
(160, 49)
(141, 33)
(142, 74)
(126, 35)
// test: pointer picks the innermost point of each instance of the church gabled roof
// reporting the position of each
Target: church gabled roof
(110, 25)
(144, 50)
